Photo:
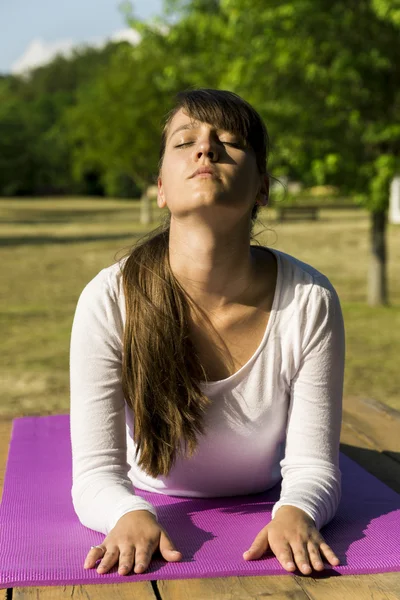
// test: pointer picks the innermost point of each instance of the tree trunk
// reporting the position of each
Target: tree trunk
(377, 283)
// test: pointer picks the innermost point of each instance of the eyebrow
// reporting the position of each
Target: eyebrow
(187, 126)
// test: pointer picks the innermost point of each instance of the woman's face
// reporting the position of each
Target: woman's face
(190, 145)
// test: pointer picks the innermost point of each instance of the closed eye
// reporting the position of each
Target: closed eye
(234, 144)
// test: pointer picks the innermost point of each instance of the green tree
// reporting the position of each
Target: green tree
(34, 151)
(115, 124)
(324, 75)
(16, 165)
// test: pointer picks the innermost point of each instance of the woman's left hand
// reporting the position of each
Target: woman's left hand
(292, 534)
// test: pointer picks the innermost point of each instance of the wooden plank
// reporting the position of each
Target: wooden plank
(380, 423)
(321, 587)
(385, 586)
(374, 461)
(142, 590)
(280, 587)
(5, 435)
(370, 436)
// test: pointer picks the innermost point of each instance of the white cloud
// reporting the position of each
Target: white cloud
(129, 35)
(39, 52)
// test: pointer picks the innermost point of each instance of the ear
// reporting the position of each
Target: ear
(160, 196)
(264, 191)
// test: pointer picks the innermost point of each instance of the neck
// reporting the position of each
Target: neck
(217, 271)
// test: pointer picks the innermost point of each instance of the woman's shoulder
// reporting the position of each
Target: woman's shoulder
(303, 287)
(106, 282)
(296, 272)
(113, 277)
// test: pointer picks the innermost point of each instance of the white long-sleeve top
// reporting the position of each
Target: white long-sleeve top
(278, 417)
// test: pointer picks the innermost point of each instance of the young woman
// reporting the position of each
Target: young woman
(204, 366)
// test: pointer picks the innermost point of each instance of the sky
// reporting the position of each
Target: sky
(32, 31)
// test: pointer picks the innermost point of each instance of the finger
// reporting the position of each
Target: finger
(301, 557)
(143, 555)
(283, 553)
(109, 560)
(315, 556)
(126, 559)
(329, 553)
(167, 548)
(255, 551)
(258, 547)
(93, 555)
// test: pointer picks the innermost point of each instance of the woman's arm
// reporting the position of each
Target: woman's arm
(310, 468)
(101, 490)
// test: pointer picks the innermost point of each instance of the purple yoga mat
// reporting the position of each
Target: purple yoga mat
(42, 541)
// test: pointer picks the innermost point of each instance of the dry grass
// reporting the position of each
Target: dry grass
(50, 249)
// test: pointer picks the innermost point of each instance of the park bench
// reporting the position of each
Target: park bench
(308, 212)
(286, 213)
(369, 436)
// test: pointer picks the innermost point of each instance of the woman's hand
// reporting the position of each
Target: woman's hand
(132, 542)
(292, 531)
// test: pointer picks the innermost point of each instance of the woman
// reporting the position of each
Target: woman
(204, 366)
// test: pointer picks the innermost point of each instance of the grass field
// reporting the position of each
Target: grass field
(50, 249)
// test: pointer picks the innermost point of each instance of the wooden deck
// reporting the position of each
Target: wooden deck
(370, 436)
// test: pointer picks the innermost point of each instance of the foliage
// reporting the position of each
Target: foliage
(35, 156)
(322, 73)
(114, 125)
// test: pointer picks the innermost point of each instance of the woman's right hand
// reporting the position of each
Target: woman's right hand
(132, 542)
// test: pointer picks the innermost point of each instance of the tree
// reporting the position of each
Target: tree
(34, 152)
(324, 75)
(116, 122)
(16, 165)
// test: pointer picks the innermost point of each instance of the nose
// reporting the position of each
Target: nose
(207, 147)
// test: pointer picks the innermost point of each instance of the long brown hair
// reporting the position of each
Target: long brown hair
(160, 367)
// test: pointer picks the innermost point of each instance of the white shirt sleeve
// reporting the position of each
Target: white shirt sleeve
(101, 490)
(311, 479)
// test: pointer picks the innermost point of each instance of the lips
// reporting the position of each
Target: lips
(201, 170)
